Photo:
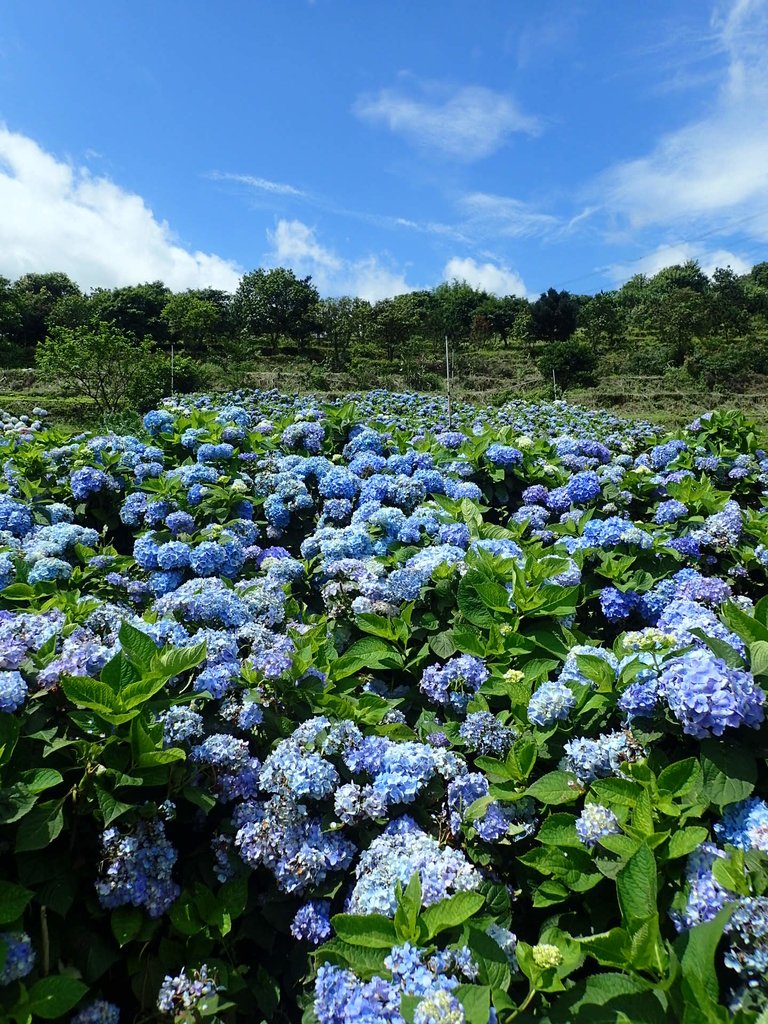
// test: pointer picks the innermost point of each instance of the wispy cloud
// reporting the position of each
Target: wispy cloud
(712, 171)
(276, 188)
(59, 216)
(295, 245)
(490, 277)
(465, 124)
(486, 214)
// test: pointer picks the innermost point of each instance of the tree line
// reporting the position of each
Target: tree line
(714, 328)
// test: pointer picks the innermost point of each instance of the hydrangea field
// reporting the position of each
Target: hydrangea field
(345, 713)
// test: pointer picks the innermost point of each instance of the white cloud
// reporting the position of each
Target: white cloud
(295, 245)
(489, 277)
(674, 255)
(277, 188)
(56, 216)
(466, 124)
(713, 170)
(502, 216)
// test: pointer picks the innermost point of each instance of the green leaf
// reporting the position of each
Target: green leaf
(730, 873)
(697, 947)
(13, 900)
(40, 827)
(37, 780)
(618, 792)
(408, 907)
(637, 887)
(365, 961)
(730, 772)
(471, 605)
(9, 734)
(18, 592)
(678, 778)
(468, 642)
(522, 757)
(442, 645)
(91, 694)
(555, 788)
(111, 808)
(368, 653)
(610, 998)
(491, 959)
(549, 893)
(139, 692)
(559, 830)
(174, 661)
(642, 815)
(686, 840)
(118, 672)
(52, 997)
(758, 657)
(139, 647)
(610, 948)
(126, 924)
(476, 1000)
(233, 896)
(747, 627)
(451, 912)
(374, 931)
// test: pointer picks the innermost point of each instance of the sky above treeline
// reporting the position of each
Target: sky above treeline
(382, 145)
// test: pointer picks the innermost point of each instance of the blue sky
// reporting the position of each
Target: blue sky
(382, 145)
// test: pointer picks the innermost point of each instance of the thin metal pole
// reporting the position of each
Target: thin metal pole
(554, 384)
(172, 388)
(448, 380)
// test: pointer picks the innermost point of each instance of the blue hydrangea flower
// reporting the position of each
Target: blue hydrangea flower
(312, 922)
(483, 733)
(707, 696)
(745, 825)
(552, 702)
(13, 691)
(402, 849)
(136, 868)
(594, 823)
(98, 1012)
(19, 956)
(454, 683)
(182, 994)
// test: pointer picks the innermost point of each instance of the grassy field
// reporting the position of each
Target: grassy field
(492, 375)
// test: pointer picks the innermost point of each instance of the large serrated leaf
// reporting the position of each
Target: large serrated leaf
(451, 912)
(637, 887)
(374, 931)
(368, 653)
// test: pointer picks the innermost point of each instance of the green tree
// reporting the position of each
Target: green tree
(573, 361)
(343, 324)
(394, 322)
(676, 318)
(275, 304)
(502, 313)
(101, 362)
(455, 305)
(199, 320)
(135, 309)
(37, 296)
(688, 275)
(603, 320)
(555, 315)
(728, 305)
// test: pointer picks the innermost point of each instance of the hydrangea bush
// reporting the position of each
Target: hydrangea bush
(345, 712)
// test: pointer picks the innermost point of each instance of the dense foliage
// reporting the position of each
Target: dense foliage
(701, 332)
(347, 712)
